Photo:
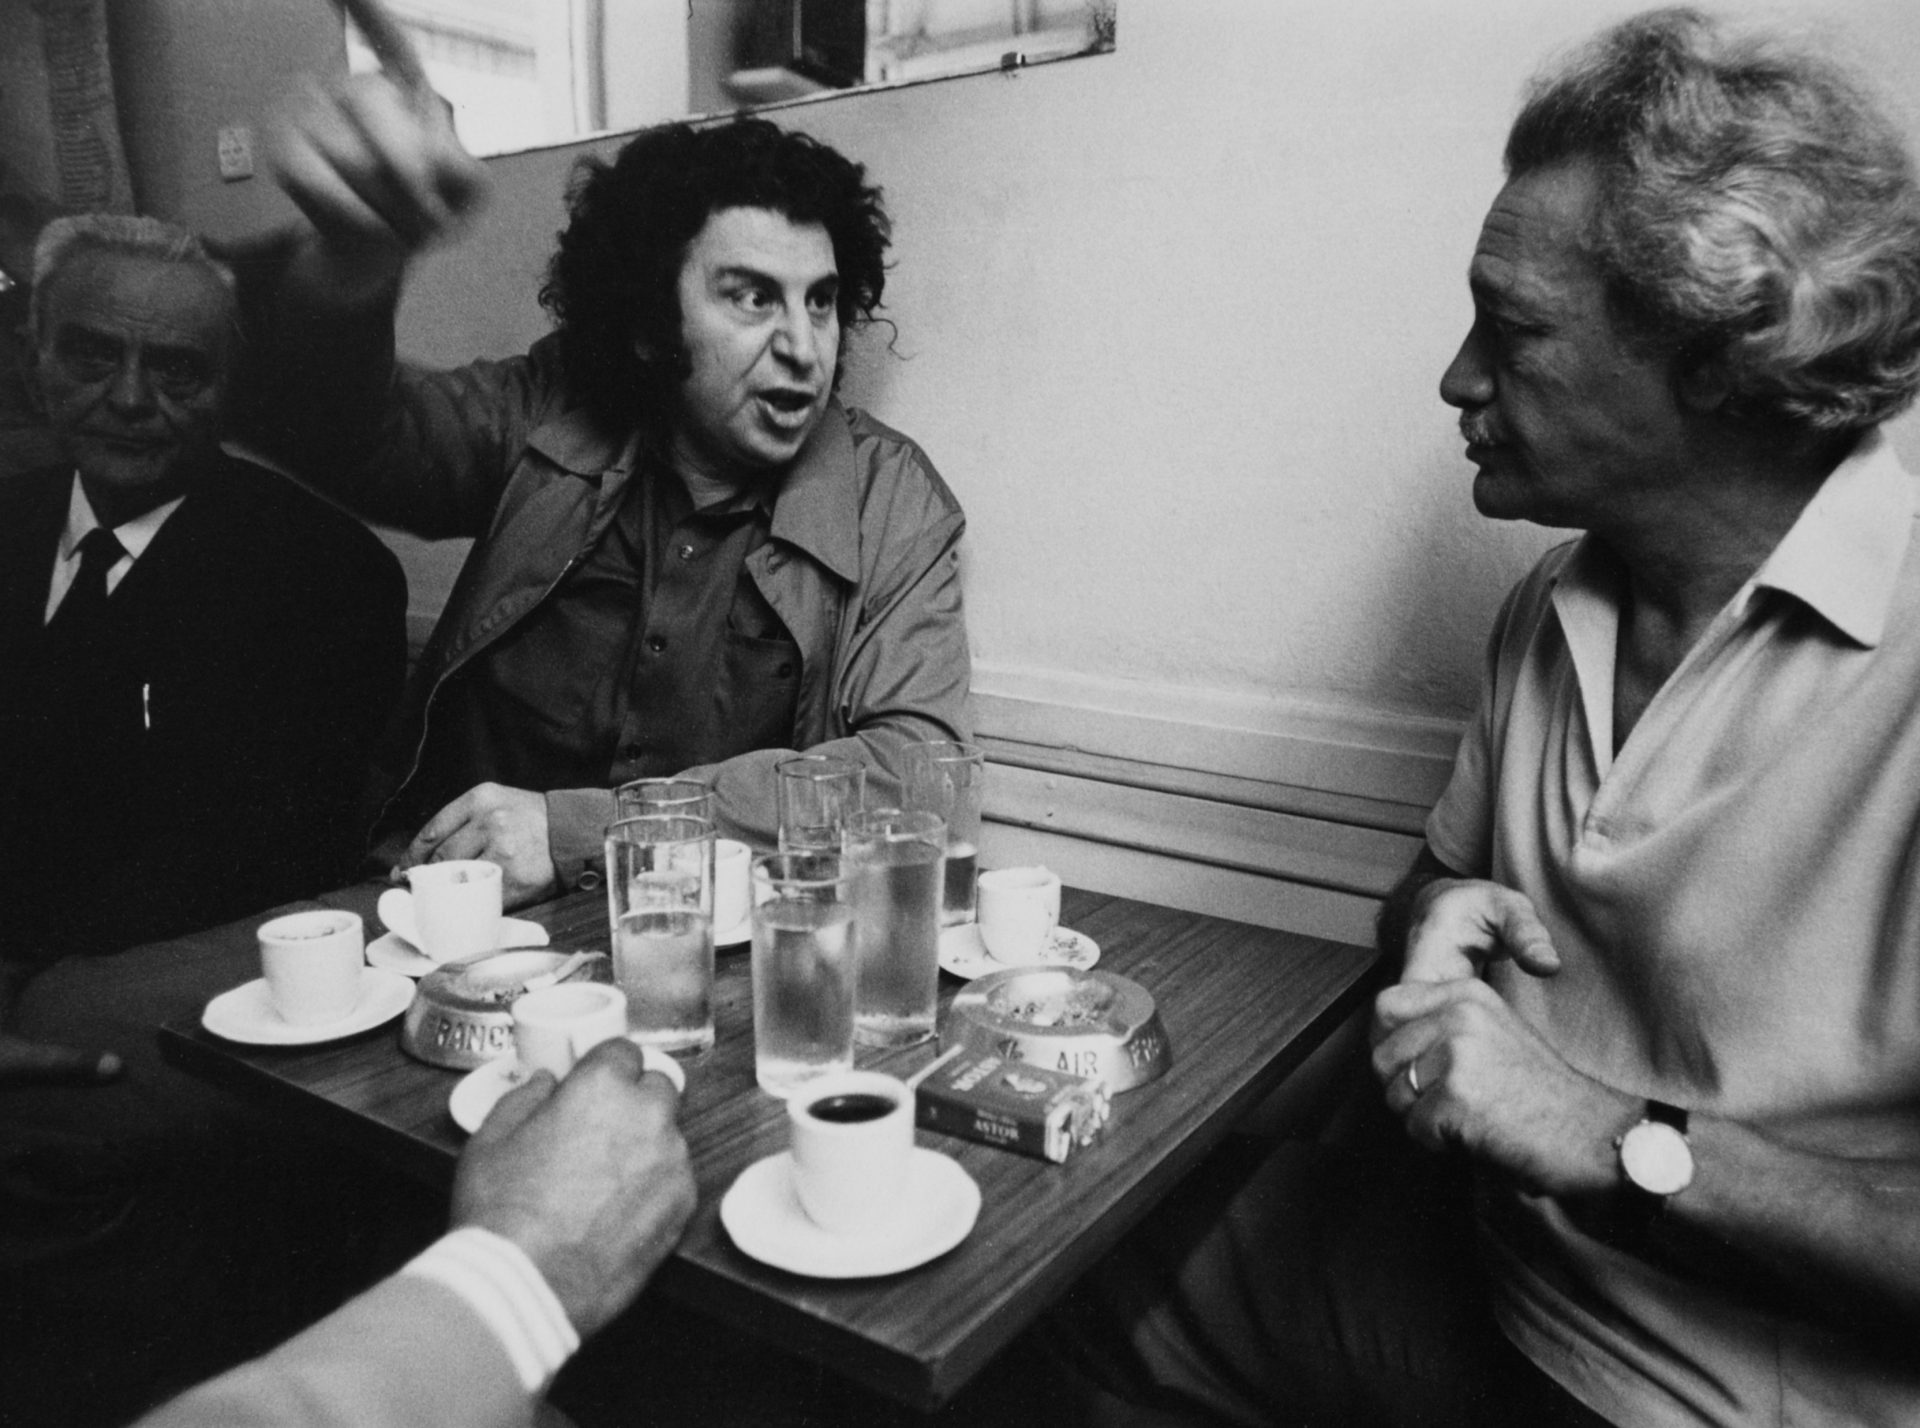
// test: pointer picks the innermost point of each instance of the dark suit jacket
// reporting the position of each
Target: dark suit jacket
(212, 763)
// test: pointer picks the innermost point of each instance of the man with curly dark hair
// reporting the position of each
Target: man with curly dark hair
(691, 559)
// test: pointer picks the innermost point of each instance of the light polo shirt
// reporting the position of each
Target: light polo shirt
(1735, 897)
(134, 537)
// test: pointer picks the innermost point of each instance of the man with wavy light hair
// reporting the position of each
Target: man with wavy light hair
(1658, 995)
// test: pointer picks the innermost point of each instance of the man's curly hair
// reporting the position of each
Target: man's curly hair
(613, 282)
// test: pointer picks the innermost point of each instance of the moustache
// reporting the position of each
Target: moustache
(1477, 429)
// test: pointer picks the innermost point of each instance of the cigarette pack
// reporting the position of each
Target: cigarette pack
(1014, 1104)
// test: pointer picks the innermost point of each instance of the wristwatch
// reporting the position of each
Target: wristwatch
(1655, 1162)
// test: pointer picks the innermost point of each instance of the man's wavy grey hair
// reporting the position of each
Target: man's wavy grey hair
(1755, 206)
(66, 238)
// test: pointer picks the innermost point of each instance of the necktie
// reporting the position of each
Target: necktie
(86, 598)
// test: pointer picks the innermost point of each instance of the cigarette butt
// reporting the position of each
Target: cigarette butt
(917, 1077)
(146, 707)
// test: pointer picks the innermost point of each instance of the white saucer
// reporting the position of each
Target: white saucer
(760, 1212)
(480, 1089)
(246, 1014)
(394, 953)
(965, 955)
(738, 935)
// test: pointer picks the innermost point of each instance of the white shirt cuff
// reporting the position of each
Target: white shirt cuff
(500, 1284)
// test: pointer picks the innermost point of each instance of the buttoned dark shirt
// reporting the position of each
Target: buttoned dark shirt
(655, 653)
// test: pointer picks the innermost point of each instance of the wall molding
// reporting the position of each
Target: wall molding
(1276, 811)
(1346, 764)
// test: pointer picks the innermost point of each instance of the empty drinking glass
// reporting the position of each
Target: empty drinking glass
(815, 793)
(663, 795)
(945, 777)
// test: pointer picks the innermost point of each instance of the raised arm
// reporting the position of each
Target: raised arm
(374, 165)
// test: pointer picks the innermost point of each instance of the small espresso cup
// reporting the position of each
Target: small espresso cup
(555, 1026)
(732, 885)
(312, 962)
(455, 907)
(852, 1140)
(1019, 908)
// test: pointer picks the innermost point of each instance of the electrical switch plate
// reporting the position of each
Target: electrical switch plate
(236, 152)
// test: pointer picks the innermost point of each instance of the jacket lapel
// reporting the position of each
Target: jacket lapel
(33, 511)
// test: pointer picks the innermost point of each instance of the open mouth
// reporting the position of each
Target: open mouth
(787, 408)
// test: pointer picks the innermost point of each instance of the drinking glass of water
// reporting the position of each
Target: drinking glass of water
(660, 907)
(815, 793)
(945, 776)
(897, 860)
(803, 969)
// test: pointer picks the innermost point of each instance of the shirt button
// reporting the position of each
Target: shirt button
(784, 670)
(685, 552)
(656, 643)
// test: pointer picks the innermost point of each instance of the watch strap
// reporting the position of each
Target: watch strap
(1667, 1115)
(1638, 1211)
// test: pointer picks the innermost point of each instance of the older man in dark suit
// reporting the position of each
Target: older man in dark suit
(195, 658)
(200, 653)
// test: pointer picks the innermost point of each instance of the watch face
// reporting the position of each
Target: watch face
(1656, 1158)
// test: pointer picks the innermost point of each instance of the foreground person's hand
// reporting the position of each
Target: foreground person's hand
(589, 1177)
(24, 1062)
(504, 825)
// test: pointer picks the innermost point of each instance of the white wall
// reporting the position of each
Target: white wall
(184, 70)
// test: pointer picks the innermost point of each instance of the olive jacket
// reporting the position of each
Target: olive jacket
(862, 564)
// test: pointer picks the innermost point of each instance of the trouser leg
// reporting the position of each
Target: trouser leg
(1307, 1286)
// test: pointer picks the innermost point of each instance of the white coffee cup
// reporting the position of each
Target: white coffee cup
(312, 963)
(852, 1141)
(555, 1026)
(450, 910)
(732, 863)
(1018, 910)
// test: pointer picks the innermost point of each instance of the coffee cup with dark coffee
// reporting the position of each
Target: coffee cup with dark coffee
(852, 1139)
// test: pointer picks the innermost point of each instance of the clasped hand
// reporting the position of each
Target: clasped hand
(1482, 1078)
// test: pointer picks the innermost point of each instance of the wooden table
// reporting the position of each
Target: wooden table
(1242, 1006)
